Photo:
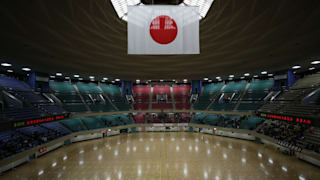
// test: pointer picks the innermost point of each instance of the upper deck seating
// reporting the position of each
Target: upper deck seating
(141, 97)
(182, 96)
(208, 94)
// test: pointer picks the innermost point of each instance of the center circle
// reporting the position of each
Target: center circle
(163, 29)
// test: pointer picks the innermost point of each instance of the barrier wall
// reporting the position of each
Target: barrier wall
(28, 155)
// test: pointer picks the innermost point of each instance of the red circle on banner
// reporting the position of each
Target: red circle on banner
(163, 29)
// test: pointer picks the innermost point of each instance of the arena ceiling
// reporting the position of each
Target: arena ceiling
(86, 37)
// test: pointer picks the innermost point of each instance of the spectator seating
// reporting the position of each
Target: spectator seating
(93, 122)
(88, 88)
(141, 95)
(162, 106)
(62, 87)
(251, 123)
(228, 121)
(74, 124)
(15, 141)
(256, 92)
(309, 81)
(139, 118)
(116, 120)
(12, 142)
(75, 108)
(161, 90)
(182, 96)
(13, 84)
(22, 103)
(114, 93)
(210, 91)
(222, 106)
(290, 102)
(56, 127)
(25, 113)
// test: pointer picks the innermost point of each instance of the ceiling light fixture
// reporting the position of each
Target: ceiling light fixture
(247, 74)
(315, 62)
(26, 69)
(296, 67)
(9, 70)
(312, 68)
(6, 64)
(264, 72)
(58, 74)
(76, 76)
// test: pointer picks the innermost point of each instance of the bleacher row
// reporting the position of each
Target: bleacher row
(20, 102)
(295, 100)
(228, 121)
(15, 141)
(234, 96)
(89, 97)
(147, 97)
(292, 135)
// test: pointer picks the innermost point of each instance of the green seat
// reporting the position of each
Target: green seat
(101, 108)
(74, 124)
(93, 122)
(76, 108)
(116, 97)
(251, 122)
(88, 88)
(209, 91)
(62, 87)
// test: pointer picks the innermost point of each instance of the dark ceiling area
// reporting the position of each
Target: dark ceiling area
(86, 37)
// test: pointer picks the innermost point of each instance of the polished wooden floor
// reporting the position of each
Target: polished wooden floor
(169, 156)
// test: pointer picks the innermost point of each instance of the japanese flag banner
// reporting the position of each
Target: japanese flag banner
(163, 29)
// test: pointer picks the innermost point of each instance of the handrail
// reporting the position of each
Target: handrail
(165, 111)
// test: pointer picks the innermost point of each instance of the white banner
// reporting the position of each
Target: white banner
(163, 29)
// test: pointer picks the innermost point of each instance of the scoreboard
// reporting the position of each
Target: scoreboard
(32, 122)
(300, 120)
